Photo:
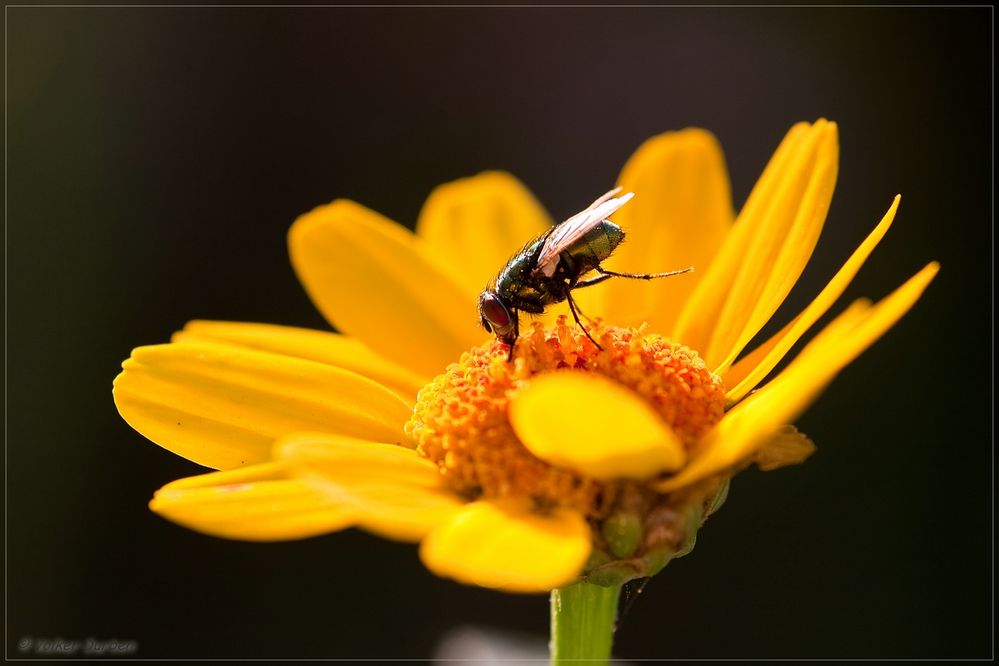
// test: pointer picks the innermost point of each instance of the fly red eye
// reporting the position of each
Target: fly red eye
(495, 312)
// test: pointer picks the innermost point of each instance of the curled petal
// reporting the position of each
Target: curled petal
(593, 425)
(767, 249)
(751, 422)
(750, 371)
(503, 545)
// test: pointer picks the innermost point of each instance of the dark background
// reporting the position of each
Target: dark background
(156, 158)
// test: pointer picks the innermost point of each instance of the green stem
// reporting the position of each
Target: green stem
(583, 623)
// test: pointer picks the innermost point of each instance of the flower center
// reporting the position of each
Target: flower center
(461, 421)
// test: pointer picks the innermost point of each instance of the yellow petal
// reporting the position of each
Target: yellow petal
(679, 217)
(389, 490)
(255, 503)
(770, 245)
(593, 425)
(696, 321)
(750, 371)
(224, 406)
(376, 282)
(786, 447)
(503, 545)
(778, 254)
(329, 348)
(750, 423)
(476, 224)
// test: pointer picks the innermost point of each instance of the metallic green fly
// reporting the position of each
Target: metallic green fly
(548, 268)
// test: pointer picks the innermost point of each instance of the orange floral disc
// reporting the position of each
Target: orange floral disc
(461, 419)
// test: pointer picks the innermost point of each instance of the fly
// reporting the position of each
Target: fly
(551, 266)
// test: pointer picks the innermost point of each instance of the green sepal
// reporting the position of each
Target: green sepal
(657, 560)
(693, 518)
(718, 500)
(619, 572)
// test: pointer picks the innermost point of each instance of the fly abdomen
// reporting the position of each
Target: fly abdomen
(593, 247)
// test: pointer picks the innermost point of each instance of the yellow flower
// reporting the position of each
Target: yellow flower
(569, 460)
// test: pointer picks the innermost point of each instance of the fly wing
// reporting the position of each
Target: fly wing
(568, 232)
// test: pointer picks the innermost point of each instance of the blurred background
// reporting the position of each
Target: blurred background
(157, 156)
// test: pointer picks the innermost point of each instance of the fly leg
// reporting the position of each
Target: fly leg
(516, 336)
(588, 283)
(575, 315)
(604, 273)
(593, 281)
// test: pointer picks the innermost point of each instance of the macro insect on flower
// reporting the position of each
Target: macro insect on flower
(412, 424)
(549, 267)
